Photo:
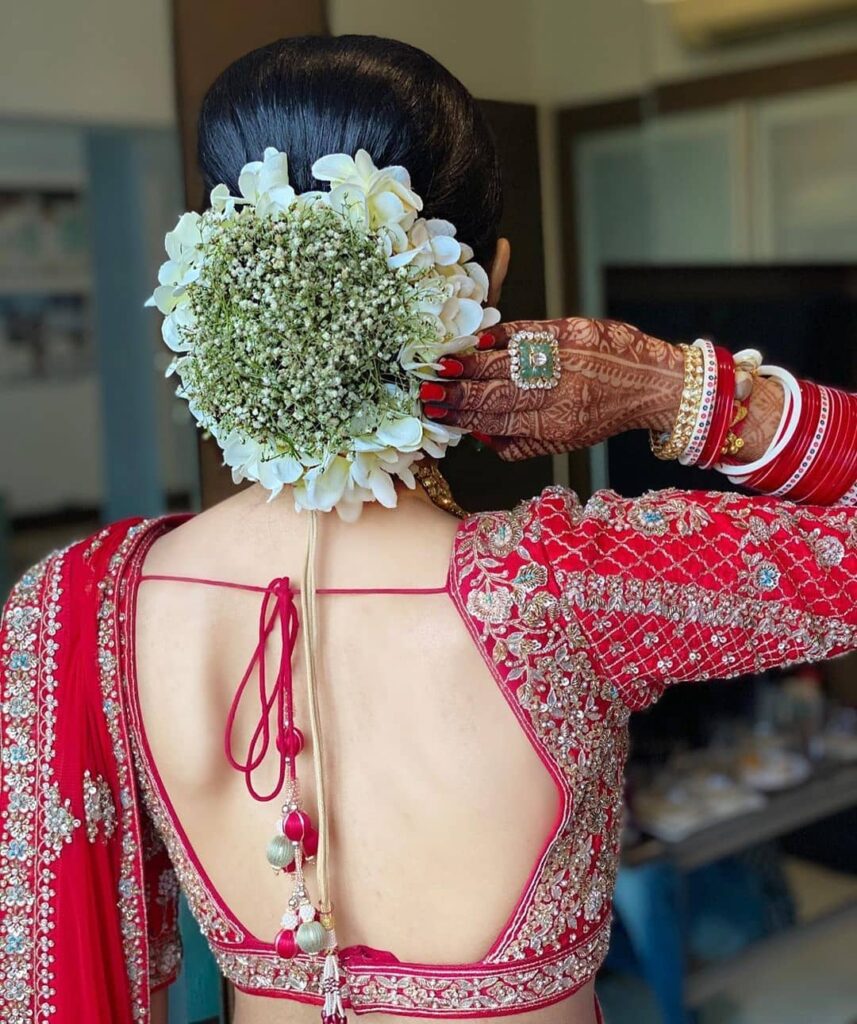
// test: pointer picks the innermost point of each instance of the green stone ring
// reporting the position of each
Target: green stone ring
(534, 357)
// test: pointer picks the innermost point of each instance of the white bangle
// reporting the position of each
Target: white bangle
(785, 430)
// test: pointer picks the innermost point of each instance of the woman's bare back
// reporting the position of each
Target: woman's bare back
(440, 806)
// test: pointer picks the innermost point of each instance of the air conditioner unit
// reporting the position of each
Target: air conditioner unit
(703, 22)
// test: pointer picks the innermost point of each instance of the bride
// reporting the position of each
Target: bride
(381, 752)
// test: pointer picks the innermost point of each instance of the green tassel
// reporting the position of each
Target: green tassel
(311, 937)
(280, 852)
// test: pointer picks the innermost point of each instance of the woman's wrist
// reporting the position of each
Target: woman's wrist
(657, 410)
(656, 406)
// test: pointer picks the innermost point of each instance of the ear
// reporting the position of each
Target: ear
(499, 269)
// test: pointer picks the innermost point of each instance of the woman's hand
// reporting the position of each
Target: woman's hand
(613, 378)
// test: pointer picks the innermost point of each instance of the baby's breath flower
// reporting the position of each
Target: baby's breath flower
(303, 326)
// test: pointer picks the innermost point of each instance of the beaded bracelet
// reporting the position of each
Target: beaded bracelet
(701, 428)
(672, 445)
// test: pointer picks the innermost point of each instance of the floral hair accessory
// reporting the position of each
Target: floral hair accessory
(304, 324)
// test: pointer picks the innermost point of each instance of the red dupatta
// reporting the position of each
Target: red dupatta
(87, 894)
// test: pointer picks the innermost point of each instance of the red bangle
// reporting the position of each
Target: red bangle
(724, 407)
(779, 478)
(837, 460)
(830, 461)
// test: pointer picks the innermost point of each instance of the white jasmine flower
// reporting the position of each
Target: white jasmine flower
(435, 244)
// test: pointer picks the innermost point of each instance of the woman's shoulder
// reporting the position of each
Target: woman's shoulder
(555, 526)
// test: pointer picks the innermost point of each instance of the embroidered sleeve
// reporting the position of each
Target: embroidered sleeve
(678, 585)
(162, 898)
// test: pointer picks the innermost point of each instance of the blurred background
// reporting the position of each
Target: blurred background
(688, 165)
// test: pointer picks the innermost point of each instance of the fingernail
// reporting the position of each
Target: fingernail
(485, 341)
(435, 412)
(451, 367)
(480, 437)
(431, 392)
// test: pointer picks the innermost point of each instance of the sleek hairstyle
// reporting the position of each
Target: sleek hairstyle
(312, 95)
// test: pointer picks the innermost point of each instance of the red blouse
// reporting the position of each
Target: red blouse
(582, 613)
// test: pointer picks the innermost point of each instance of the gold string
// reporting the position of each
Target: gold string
(309, 615)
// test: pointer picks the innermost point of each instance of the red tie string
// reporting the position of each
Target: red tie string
(277, 608)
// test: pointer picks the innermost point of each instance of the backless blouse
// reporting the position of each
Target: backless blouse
(583, 614)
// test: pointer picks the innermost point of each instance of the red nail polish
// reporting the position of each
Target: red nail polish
(485, 341)
(480, 437)
(451, 367)
(435, 412)
(431, 392)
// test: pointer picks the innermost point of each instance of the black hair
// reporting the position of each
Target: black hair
(312, 95)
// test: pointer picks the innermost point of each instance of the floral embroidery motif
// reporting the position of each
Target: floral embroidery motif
(98, 807)
(655, 514)
(60, 823)
(490, 606)
(829, 551)
(767, 576)
(37, 823)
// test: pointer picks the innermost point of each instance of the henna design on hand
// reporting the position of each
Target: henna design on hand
(615, 377)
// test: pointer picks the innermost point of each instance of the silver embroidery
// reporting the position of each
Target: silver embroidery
(98, 807)
(579, 724)
(37, 823)
(60, 823)
(130, 895)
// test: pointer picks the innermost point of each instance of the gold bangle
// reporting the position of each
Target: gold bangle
(672, 445)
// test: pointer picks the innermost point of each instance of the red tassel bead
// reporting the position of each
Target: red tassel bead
(292, 743)
(311, 843)
(296, 825)
(286, 944)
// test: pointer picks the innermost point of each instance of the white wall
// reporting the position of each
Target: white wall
(488, 44)
(112, 60)
(87, 60)
(563, 52)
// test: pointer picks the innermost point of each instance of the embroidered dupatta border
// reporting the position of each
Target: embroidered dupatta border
(36, 822)
(132, 900)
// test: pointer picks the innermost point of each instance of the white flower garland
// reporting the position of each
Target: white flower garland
(304, 325)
